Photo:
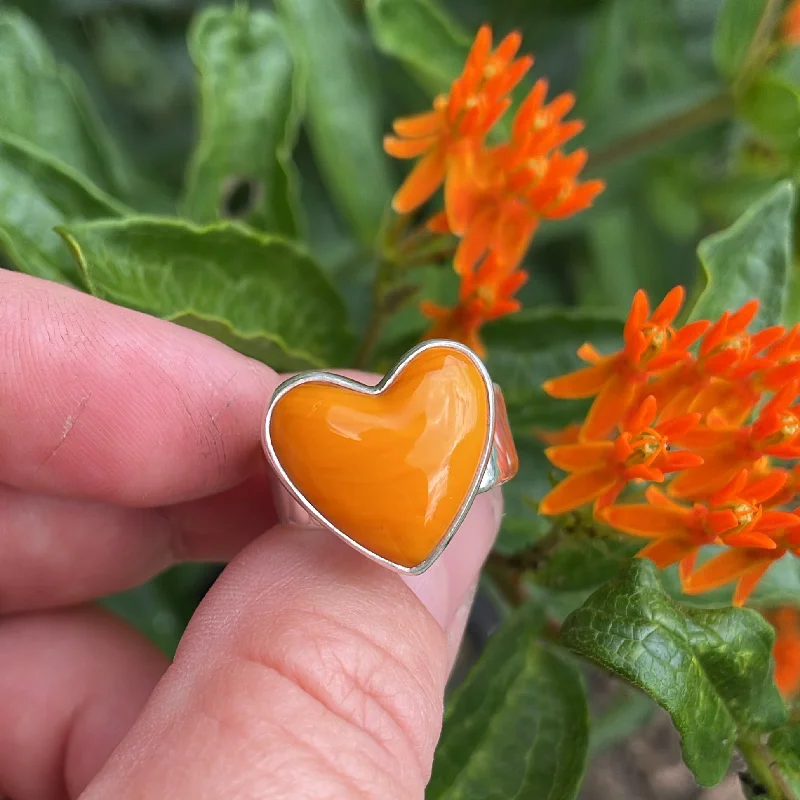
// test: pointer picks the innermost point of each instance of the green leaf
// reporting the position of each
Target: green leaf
(518, 726)
(751, 259)
(737, 22)
(37, 193)
(262, 295)
(528, 348)
(521, 524)
(46, 105)
(249, 111)
(771, 104)
(420, 35)
(711, 669)
(784, 747)
(148, 609)
(584, 558)
(344, 116)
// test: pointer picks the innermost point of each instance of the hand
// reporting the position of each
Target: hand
(128, 444)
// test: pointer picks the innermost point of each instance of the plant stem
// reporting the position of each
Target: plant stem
(712, 110)
(377, 318)
(759, 762)
(760, 45)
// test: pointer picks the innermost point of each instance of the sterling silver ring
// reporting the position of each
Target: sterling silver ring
(392, 468)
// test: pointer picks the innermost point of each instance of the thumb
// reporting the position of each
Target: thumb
(307, 672)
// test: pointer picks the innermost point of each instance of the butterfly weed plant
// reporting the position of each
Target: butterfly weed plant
(597, 197)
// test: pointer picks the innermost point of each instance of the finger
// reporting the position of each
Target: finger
(104, 403)
(307, 672)
(59, 551)
(71, 685)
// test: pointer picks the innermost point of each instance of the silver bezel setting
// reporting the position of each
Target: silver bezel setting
(483, 479)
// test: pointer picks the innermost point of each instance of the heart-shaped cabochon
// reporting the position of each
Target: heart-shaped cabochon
(393, 468)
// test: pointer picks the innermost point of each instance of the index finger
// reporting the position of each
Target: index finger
(105, 403)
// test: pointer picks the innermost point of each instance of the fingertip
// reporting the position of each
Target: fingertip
(443, 588)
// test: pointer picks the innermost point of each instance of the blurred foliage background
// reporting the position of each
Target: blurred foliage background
(635, 66)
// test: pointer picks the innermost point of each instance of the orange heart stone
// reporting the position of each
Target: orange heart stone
(390, 470)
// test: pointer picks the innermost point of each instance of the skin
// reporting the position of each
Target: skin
(128, 444)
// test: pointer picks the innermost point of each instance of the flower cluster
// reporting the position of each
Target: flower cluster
(495, 194)
(706, 410)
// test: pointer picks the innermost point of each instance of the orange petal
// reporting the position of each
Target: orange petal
(577, 489)
(481, 49)
(648, 521)
(656, 497)
(762, 489)
(637, 316)
(745, 586)
(678, 426)
(750, 539)
(669, 307)
(664, 552)
(741, 318)
(678, 461)
(686, 565)
(641, 472)
(643, 416)
(609, 407)
(584, 382)
(421, 183)
(774, 520)
(724, 568)
(407, 148)
(731, 489)
(426, 124)
(687, 335)
(721, 520)
(573, 457)
(475, 242)
(705, 479)
(438, 223)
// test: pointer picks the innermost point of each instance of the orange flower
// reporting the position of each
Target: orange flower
(678, 531)
(495, 197)
(745, 565)
(744, 498)
(477, 99)
(486, 294)
(790, 24)
(733, 516)
(460, 324)
(717, 378)
(786, 650)
(599, 471)
(651, 346)
(726, 448)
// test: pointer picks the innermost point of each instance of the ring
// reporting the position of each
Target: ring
(393, 468)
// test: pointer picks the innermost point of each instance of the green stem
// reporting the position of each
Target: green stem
(377, 317)
(712, 110)
(763, 770)
(760, 47)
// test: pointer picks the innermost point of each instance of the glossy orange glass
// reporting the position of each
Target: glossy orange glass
(390, 470)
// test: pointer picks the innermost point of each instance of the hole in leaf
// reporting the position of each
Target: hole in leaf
(240, 196)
